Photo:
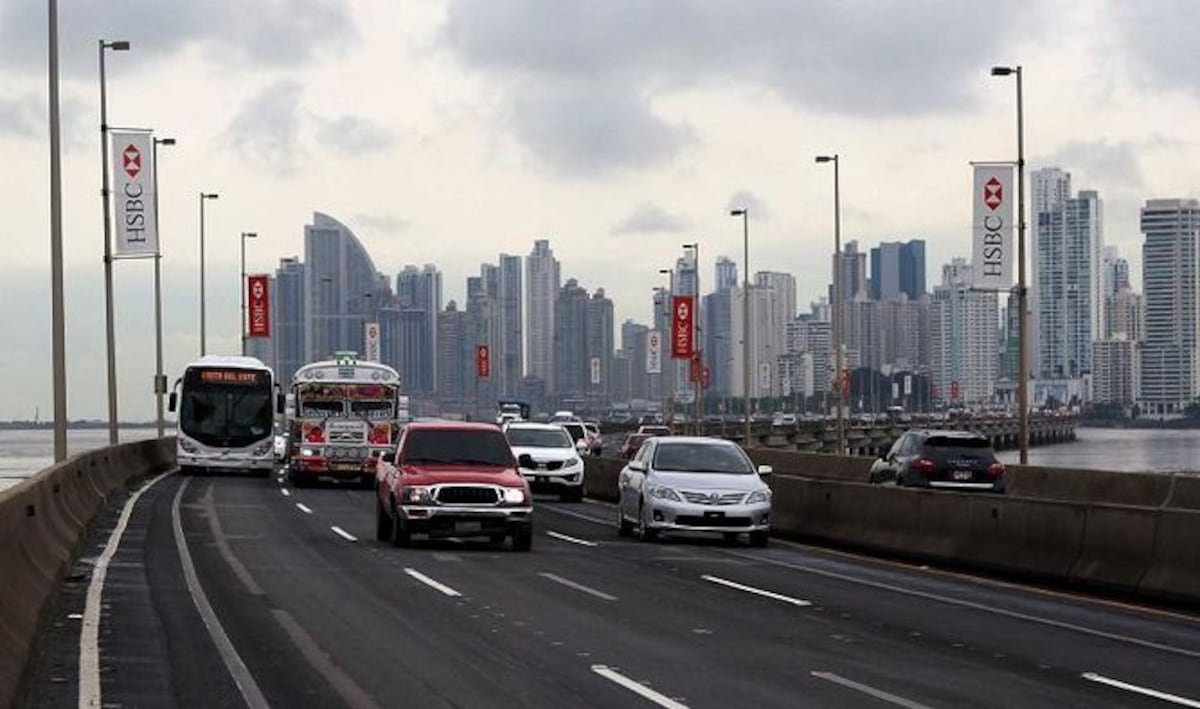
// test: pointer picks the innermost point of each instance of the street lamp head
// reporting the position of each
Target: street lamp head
(664, 271)
(737, 212)
(119, 45)
(827, 158)
(1002, 70)
(164, 141)
(209, 195)
(249, 235)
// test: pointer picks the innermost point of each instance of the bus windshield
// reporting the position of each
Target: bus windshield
(226, 407)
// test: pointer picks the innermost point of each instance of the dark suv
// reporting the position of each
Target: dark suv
(955, 460)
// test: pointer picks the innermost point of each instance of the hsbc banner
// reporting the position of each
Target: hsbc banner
(371, 339)
(258, 305)
(683, 318)
(133, 194)
(653, 352)
(992, 227)
(483, 361)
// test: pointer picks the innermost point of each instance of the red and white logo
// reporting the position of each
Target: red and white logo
(993, 193)
(132, 161)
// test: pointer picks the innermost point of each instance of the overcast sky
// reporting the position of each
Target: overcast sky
(450, 131)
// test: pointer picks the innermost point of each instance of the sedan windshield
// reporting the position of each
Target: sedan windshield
(701, 458)
(538, 438)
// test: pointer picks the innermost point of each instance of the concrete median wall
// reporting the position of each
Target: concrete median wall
(42, 522)
(1149, 549)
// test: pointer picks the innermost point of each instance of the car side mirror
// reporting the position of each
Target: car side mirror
(637, 465)
(172, 401)
(389, 457)
(526, 461)
(765, 471)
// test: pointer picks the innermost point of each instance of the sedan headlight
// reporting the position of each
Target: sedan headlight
(187, 446)
(307, 452)
(763, 495)
(570, 462)
(514, 496)
(417, 496)
(664, 493)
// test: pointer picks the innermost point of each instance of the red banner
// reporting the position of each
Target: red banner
(683, 318)
(259, 308)
(483, 362)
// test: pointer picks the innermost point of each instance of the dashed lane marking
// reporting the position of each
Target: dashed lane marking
(303, 508)
(344, 534)
(431, 583)
(286, 492)
(639, 689)
(756, 591)
(578, 586)
(573, 540)
(1146, 691)
(869, 690)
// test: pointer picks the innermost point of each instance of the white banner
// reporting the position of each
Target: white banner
(908, 385)
(133, 196)
(653, 352)
(992, 202)
(595, 370)
(371, 338)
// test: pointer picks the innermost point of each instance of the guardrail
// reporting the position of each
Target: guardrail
(42, 522)
(1129, 533)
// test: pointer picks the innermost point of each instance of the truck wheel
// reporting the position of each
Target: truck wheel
(383, 523)
(759, 538)
(401, 537)
(522, 539)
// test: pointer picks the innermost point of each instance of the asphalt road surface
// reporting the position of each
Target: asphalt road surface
(243, 592)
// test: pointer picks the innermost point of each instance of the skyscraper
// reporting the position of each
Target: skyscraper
(571, 366)
(1171, 277)
(341, 286)
(1050, 189)
(290, 317)
(600, 345)
(511, 352)
(457, 365)
(965, 360)
(542, 277)
(419, 297)
(898, 268)
(726, 275)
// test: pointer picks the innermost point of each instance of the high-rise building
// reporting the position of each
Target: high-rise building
(1115, 272)
(571, 364)
(600, 344)
(898, 268)
(511, 351)
(852, 274)
(963, 325)
(456, 355)
(419, 296)
(784, 286)
(1115, 371)
(726, 275)
(290, 317)
(342, 288)
(1125, 315)
(719, 339)
(1050, 189)
(542, 280)
(633, 349)
(1171, 278)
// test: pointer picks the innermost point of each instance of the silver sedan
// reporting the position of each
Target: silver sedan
(694, 485)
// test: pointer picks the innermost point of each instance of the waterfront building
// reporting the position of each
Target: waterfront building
(963, 333)
(542, 280)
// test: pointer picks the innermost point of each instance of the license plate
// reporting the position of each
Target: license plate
(963, 475)
(714, 514)
(542, 479)
(468, 527)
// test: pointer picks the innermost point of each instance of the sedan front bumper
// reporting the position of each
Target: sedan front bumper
(671, 515)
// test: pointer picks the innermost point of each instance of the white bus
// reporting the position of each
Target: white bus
(347, 413)
(226, 415)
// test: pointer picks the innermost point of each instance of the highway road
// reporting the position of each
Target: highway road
(244, 592)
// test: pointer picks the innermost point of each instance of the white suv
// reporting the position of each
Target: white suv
(557, 467)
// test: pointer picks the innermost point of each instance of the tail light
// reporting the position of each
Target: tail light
(995, 470)
(924, 466)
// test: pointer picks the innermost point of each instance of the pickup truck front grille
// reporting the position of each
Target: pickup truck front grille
(467, 495)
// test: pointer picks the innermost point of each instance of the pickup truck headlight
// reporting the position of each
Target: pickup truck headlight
(664, 493)
(514, 496)
(307, 452)
(417, 496)
(187, 446)
(759, 496)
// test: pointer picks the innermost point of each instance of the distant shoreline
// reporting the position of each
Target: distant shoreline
(75, 425)
(1141, 424)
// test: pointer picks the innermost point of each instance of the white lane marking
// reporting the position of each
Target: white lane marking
(344, 534)
(578, 586)
(756, 591)
(639, 689)
(869, 690)
(286, 492)
(1173, 698)
(969, 604)
(318, 659)
(573, 540)
(303, 508)
(89, 634)
(569, 513)
(237, 669)
(431, 583)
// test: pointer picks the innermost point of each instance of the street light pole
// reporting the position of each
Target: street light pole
(242, 287)
(745, 215)
(57, 306)
(837, 303)
(204, 196)
(160, 383)
(1022, 295)
(109, 328)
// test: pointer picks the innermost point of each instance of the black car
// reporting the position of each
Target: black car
(955, 460)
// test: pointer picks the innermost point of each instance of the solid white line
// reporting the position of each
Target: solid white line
(757, 591)
(89, 634)
(1173, 698)
(969, 604)
(286, 492)
(641, 690)
(237, 669)
(344, 534)
(578, 586)
(869, 690)
(431, 583)
(303, 508)
(573, 540)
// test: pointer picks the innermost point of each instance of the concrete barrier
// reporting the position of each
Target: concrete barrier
(1185, 493)
(42, 522)
(1174, 571)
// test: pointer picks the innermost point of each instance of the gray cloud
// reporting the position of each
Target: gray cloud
(266, 130)
(647, 217)
(231, 33)
(386, 223)
(21, 115)
(1159, 38)
(353, 135)
(1100, 161)
(583, 72)
(747, 200)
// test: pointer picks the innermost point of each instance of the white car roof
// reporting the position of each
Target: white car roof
(702, 440)
(531, 426)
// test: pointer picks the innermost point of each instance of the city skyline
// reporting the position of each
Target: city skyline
(429, 126)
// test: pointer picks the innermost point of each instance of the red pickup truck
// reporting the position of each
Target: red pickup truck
(452, 479)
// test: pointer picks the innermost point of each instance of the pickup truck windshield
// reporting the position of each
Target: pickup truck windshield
(483, 448)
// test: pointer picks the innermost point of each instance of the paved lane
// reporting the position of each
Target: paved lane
(317, 613)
